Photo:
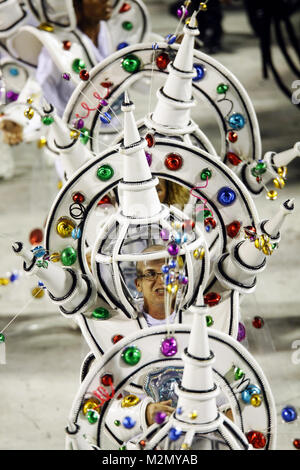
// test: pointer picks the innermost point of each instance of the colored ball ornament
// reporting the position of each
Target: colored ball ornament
(175, 433)
(172, 289)
(233, 229)
(289, 414)
(129, 400)
(170, 38)
(238, 373)
(131, 355)
(241, 332)
(36, 236)
(193, 415)
(41, 142)
(74, 134)
(14, 72)
(104, 200)
(205, 174)
(165, 269)
(107, 380)
(199, 254)
(210, 221)
(296, 443)
(279, 183)
(255, 400)
(131, 63)
(2, 338)
(169, 347)
(12, 96)
(100, 313)
(76, 233)
(39, 251)
(232, 137)
(128, 422)
(256, 439)
(142, 443)
(64, 227)
(29, 113)
(211, 299)
(14, 276)
(105, 172)
(47, 120)
(78, 197)
(173, 249)
(123, 447)
(46, 27)
(272, 195)
(209, 321)
(37, 293)
(237, 121)
(222, 89)
(105, 118)
(78, 65)
(164, 234)
(125, 7)
(84, 136)
(116, 338)
(160, 417)
(173, 161)
(84, 75)
(92, 416)
(55, 257)
(90, 404)
(150, 140)
(200, 72)
(226, 196)
(248, 392)
(233, 158)
(250, 232)
(162, 61)
(67, 45)
(122, 45)
(258, 322)
(4, 281)
(68, 256)
(117, 422)
(66, 76)
(127, 25)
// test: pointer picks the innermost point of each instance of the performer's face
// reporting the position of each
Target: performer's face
(98, 10)
(161, 189)
(152, 290)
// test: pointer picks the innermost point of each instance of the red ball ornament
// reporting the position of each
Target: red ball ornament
(104, 200)
(211, 299)
(173, 161)
(188, 225)
(107, 379)
(116, 338)
(67, 45)
(232, 136)
(210, 221)
(162, 61)
(78, 197)
(36, 236)
(258, 322)
(125, 7)
(233, 229)
(150, 140)
(142, 443)
(256, 439)
(233, 158)
(84, 75)
(296, 443)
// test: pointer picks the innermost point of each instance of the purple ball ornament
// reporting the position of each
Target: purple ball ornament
(66, 76)
(169, 347)
(103, 102)
(149, 158)
(241, 332)
(173, 249)
(11, 96)
(160, 417)
(79, 124)
(182, 12)
(164, 234)
(184, 280)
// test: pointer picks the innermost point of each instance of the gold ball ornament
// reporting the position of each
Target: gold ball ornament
(203, 6)
(193, 415)
(172, 288)
(279, 183)
(29, 113)
(29, 100)
(41, 142)
(185, 446)
(74, 134)
(91, 404)
(37, 293)
(255, 400)
(272, 195)
(55, 257)
(65, 227)
(59, 184)
(282, 171)
(46, 27)
(4, 281)
(129, 400)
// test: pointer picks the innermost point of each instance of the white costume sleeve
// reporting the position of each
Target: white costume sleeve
(137, 413)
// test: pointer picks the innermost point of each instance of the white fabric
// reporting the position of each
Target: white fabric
(154, 322)
(56, 90)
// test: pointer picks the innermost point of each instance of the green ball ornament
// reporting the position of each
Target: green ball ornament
(92, 416)
(68, 256)
(131, 355)
(127, 25)
(78, 65)
(209, 321)
(238, 373)
(205, 174)
(105, 172)
(100, 313)
(47, 120)
(2, 338)
(222, 89)
(84, 136)
(131, 63)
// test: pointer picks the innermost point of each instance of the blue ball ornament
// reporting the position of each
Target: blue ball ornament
(170, 38)
(237, 121)
(76, 233)
(128, 422)
(200, 70)
(175, 434)
(289, 414)
(165, 269)
(248, 392)
(14, 71)
(121, 45)
(226, 196)
(172, 264)
(105, 118)
(39, 251)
